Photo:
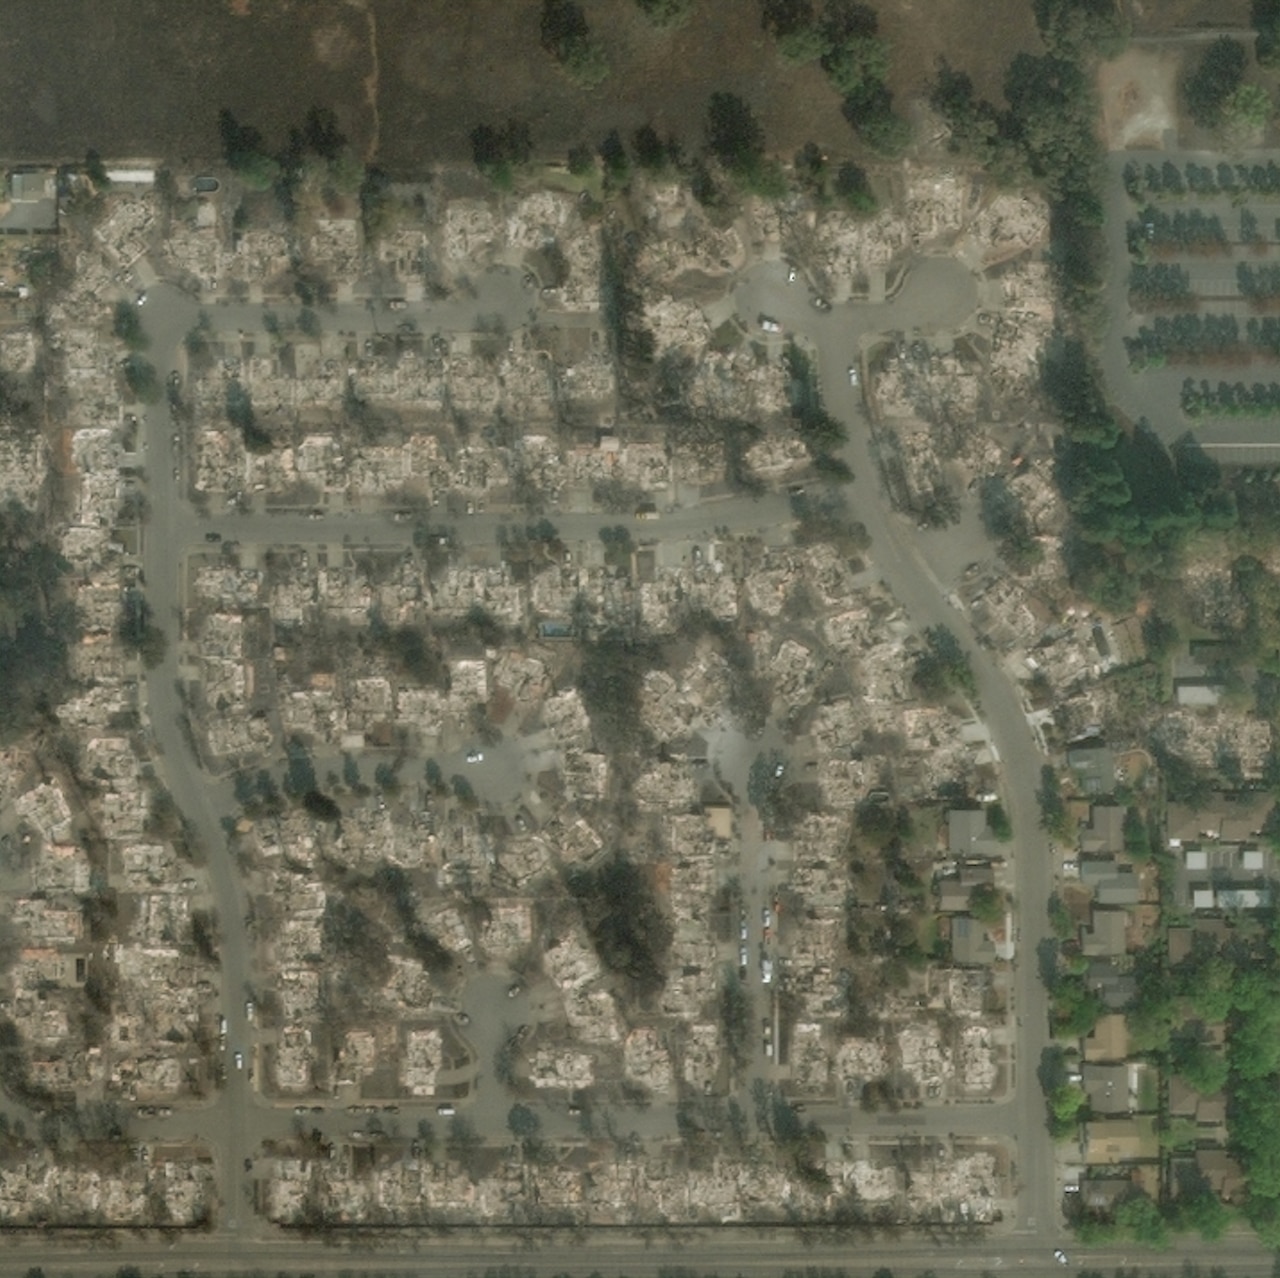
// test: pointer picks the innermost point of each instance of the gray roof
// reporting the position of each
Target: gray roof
(1105, 935)
(33, 201)
(971, 946)
(1107, 1087)
(969, 835)
(1105, 831)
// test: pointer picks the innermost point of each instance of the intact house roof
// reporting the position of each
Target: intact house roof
(1109, 1040)
(1107, 1087)
(1105, 832)
(1109, 1141)
(971, 943)
(31, 201)
(1105, 935)
(1215, 875)
(969, 835)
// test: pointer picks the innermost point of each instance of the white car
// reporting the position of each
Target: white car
(1061, 1257)
(475, 756)
(791, 275)
(239, 1060)
(766, 971)
(853, 375)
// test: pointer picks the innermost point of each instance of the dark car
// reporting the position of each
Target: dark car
(205, 185)
(213, 536)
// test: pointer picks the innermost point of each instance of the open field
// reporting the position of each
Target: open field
(146, 77)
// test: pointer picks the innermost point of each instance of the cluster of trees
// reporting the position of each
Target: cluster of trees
(942, 667)
(1200, 338)
(665, 13)
(1189, 231)
(1230, 399)
(499, 149)
(820, 433)
(1266, 22)
(566, 36)
(848, 185)
(1162, 284)
(1006, 522)
(625, 920)
(1141, 181)
(1184, 338)
(138, 631)
(1217, 96)
(317, 145)
(1132, 501)
(736, 139)
(38, 622)
(1237, 982)
(843, 37)
(631, 341)
(1258, 283)
(239, 410)
(1046, 133)
(1208, 89)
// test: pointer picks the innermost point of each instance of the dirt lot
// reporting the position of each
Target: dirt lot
(1139, 94)
(138, 77)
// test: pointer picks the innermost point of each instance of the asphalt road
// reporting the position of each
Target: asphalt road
(938, 295)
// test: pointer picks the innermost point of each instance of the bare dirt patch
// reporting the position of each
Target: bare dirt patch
(1139, 93)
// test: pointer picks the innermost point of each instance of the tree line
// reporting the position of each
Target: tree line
(1171, 181)
(1230, 399)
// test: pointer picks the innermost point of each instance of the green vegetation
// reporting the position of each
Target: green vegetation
(625, 920)
(1211, 86)
(239, 410)
(987, 904)
(1054, 816)
(736, 139)
(246, 154)
(1169, 181)
(1163, 284)
(844, 38)
(1007, 524)
(1230, 399)
(1133, 502)
(622, 306)
(666, 13)
(820, 433)
(126, 324)
(1189, 231)
(1266, 22)
(942, 668)
(1046, 134)
(141, 378)
(566, 36)
(1202, 338)
(498, 150)
(138, 631)
(1258, 283)
(610, 682)
(37, 623)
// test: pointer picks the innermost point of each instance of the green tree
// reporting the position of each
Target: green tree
(987, 904)
(126, 324)
(666, 13)
(1247, 110)
(141, 378)
(853, 189)
(566, 36)
(1217, 76)
(1054, 816)
(734, 135)
(943, 667)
